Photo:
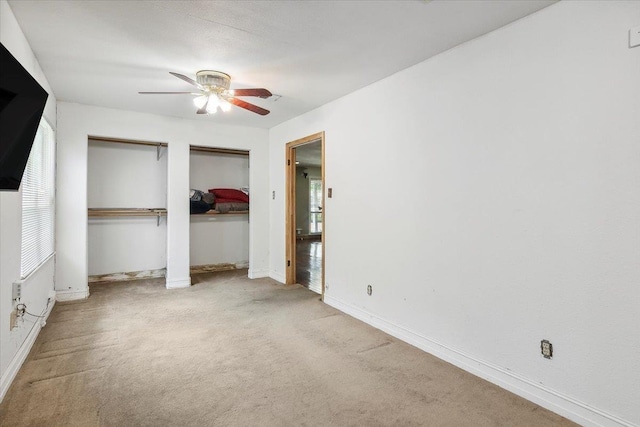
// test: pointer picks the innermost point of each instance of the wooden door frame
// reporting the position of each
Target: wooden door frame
(290, 214)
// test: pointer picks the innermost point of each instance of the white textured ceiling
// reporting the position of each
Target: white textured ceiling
(309, 52)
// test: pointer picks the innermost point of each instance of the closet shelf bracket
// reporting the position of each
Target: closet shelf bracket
(158, 157)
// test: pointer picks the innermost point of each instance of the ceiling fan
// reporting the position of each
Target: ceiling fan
(215, 92)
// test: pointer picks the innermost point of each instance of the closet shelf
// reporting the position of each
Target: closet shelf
(113, 212)
(214, 212)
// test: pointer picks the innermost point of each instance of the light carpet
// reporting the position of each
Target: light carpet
(230, 351)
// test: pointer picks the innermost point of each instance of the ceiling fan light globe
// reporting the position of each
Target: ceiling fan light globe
(200, 101)
(211, 109)
(214, 101)
(224, 105)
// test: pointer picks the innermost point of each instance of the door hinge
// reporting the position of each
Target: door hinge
(288, 263)
(288, 162)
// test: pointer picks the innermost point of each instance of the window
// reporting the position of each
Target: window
(315, 205)
(38, 201)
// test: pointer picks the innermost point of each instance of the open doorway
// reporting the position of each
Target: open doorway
(305, 212)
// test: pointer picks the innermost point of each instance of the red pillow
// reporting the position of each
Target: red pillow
(230, 194)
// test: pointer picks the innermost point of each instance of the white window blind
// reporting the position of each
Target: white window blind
(38, 201)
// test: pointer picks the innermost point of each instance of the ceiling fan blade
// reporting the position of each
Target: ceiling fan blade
(203, 109)
(167, 93)
(187, 79)
(254, 108)
(262, 93)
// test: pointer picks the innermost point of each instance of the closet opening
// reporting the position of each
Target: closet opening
(127, 209)
(305, 220)
(219, 200)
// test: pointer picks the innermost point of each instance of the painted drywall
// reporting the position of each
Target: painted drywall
(15, 344)
(178, 275)
(302, 195)
(505, 208)
(76, 122)
(126, 244)
(126, 176)
(219, 239)
(122, 175)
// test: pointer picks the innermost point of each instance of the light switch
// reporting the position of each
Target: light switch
(330, 192)
(634, 36)
(17, 291)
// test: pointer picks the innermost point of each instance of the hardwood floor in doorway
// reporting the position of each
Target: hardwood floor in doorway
(309, 263)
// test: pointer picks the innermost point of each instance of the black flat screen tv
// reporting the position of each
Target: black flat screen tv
(22, 102)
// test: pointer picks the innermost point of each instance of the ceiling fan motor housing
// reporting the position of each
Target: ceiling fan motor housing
(214, 79)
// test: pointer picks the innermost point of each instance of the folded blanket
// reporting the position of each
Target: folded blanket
(226, 205)
(230, 194)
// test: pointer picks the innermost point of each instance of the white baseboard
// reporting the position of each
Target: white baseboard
(22, 353)
(278, 277)
(242, 264)
(178, 283)
(258, 273)
(72, 295)
(566, 406)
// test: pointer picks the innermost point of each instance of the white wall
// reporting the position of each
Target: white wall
(76, 122)
(126, 176)
(126, 244)
(509, 171)
(15, 344)
(123, 175)
(218, 170)
(219, 239)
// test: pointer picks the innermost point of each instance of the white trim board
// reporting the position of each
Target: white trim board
(71, 295)
(22, 353)
(257, 273)
(178, 283)
(277, 277)
(550, 399)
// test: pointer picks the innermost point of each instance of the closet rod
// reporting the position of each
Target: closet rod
(219, 150)
(164, 144)
(127, 141)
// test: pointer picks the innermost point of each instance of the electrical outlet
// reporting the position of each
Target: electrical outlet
(546, 348)
(13, 319)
